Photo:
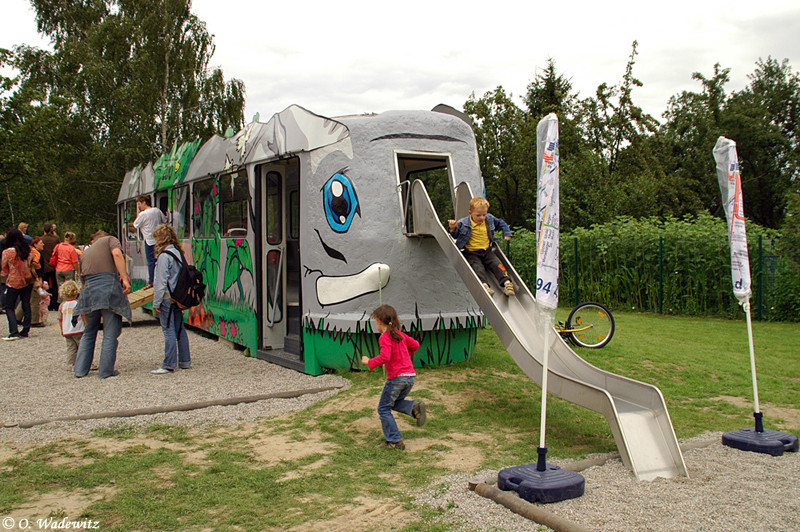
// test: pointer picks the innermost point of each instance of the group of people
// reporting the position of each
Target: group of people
(103, 297)
(105, 281)
(92, 286)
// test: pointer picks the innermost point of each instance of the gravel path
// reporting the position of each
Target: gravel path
(726, 490)
(37, 383)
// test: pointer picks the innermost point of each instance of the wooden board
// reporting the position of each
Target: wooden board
(140, 297)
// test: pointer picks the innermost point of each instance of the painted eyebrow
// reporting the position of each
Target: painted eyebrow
(394, 136)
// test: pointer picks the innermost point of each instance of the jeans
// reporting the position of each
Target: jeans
(483, 261)
(112, 327)
(393, 397)
(24, 294)
(150, 255)
(176, 341)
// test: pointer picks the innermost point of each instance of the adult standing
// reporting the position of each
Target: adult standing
(23, 228)
(168, 266)
(105, 285)
(51, 240)
(148, 219)
(67, 262)
(16, 259)
(3, 278)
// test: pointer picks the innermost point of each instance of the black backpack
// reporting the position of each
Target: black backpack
(189, 289)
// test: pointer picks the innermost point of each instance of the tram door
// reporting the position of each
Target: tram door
(281, 290)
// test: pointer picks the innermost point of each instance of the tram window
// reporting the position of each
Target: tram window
(131, 233)
(180, 211)
(234, 198)
(274, 210)
(204, 207)
(294, 214)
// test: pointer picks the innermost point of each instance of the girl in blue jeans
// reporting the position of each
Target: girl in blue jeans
(396, 349)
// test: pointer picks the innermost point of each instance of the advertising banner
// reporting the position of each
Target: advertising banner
(730, 185)
(547, 212)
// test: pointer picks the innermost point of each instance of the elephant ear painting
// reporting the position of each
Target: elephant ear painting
(303, 225)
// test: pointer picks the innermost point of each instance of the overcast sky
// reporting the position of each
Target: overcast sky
(355, 56)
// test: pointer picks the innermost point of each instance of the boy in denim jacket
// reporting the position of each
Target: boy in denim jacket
(474, 236)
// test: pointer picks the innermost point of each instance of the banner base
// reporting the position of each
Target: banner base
(551, 485)
(766, 442)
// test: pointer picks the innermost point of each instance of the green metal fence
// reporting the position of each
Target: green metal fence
(668, 275)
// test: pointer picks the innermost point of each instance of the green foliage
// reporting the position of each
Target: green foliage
(678, 266)
(506, 139)
(124, 82)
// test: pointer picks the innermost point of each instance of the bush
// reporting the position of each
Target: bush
(674, 266)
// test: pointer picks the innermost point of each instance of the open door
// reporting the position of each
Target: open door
(280, 311)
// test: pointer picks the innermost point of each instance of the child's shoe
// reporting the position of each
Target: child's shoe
(418, 413)
(508, 289)
(394, 445)
(488, 289)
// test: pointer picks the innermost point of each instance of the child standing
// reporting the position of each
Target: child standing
(44, 302)
(474, 236)
(396, 349)
(68, 294)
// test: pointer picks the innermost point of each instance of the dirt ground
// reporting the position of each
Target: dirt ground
(461, 452)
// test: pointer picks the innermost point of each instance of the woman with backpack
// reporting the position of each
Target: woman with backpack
(168, 266)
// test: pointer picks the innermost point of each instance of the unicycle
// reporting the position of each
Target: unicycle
(589, 325)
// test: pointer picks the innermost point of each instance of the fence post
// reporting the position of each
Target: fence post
(577, 301)
(760, 278)
(660, 274)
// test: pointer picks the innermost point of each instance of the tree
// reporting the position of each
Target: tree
(693, 124)
(761, 119)
(126, 79)
(611, 172)
(507, 154)
(764, 119)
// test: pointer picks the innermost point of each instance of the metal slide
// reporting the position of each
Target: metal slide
(635, 411)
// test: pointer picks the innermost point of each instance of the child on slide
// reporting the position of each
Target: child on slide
(474, 236)
(396, 349)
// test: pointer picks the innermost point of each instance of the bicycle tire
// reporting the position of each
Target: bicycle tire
(600, 322)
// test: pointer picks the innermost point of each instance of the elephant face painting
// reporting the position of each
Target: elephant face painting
(355, 252)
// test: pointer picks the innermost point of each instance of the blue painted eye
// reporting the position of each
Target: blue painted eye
(341, 202)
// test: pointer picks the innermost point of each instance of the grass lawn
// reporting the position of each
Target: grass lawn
(322, 467)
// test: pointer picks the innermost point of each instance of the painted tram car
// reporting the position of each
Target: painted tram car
(301, 227)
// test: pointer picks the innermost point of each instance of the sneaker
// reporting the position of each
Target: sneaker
(418, 412)
(12, 338)
(186, 367)
(161, 371)
(508, 289)
(38, 325)
(488, 289)
(394, 445)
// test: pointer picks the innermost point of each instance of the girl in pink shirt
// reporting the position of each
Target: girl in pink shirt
(396, 349)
